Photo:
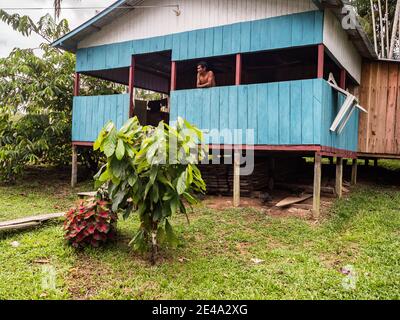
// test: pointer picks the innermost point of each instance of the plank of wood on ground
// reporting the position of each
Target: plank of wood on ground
(20, 226)
(293, 200)
(86, 194)
(33, 219)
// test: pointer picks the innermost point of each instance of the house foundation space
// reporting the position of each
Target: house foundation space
(281, 183)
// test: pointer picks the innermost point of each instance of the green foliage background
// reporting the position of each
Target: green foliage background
(36, 92)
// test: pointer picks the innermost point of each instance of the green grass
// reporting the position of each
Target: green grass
(302, 259)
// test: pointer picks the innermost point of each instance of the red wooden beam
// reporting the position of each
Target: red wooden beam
(77, 84)
(131, 87)
(173, 76)
(82, 144)
(321, 57)
(238, 79)
(343, 79)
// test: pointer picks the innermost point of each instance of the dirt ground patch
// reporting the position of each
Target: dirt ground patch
(223, 203)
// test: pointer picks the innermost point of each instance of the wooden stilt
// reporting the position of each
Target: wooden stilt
(236, 179)
(339, 177)
(376, 163)
(317, 186)
(321, 62)
(74, 174)
(354, 168)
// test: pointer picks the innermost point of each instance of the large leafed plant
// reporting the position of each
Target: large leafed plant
(152, 172)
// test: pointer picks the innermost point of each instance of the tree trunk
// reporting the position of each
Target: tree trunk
(394, 32)
(154, 246)
(387, 29)
(381, 30)
(374, 26)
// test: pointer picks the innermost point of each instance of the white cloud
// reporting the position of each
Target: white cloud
(10, 39)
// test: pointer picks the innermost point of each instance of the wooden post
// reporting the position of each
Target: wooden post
(74, 174)
(132, 88)
(376, 163)
(74, 170)
(236, 178)
(77, 84)
(238, 77)
(317, 186)
(339, 177)
(343, 79)
(321, 58)
(173, 76)
(354, 172)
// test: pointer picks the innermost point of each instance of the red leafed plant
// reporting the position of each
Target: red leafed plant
(92, 223)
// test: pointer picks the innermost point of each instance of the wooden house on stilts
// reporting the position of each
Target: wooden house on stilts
(274, 61)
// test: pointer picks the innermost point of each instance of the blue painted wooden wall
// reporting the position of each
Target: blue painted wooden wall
(90, 114)
(279, 32)
(284, 113)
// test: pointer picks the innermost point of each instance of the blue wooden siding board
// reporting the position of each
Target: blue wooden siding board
(279, 32)
(227, 39)
(200, 43)
(297, 30)
(183, 46)
(262, 112)
(242, 111)
(245, 37)
(318, 32)
(284, 113)
(192, 45)
(295, 113)
(90, 114)
(235, 38)
(209, 42)
(112, 56)
(215, 107)
(224, 113)
(307, 112)
(308, 30)
(218, 41)
(99, 58)
(233, 108)
(255, 35)
(273, 113)
(252, 123)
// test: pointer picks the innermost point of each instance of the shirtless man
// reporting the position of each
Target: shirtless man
(205, 78)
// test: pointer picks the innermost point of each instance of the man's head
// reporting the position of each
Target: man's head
(202, 66)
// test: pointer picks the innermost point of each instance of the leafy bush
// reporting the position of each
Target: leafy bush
(151, 172)
(92, 223)
(36, 94)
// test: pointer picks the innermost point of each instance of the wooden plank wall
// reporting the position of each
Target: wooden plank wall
(283, 113)
(91, 113)
(274, 33)
(379, 131)
(195, 14)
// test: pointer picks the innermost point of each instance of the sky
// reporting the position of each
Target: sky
(10, 39)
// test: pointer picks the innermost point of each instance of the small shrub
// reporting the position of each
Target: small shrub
(92, 223)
